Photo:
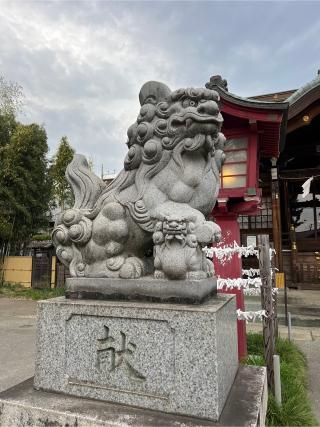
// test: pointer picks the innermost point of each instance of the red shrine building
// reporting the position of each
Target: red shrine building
(272, 149)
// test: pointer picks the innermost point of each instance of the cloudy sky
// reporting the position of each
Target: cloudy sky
(82, 63)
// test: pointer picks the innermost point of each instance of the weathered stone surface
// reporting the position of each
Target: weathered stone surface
(173, 358)
(158, 202)
(23, 406)
(178, 291)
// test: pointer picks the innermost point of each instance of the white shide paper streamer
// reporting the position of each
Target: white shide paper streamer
(251, 316)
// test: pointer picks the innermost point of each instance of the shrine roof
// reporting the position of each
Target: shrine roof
(289, 103)
(40, 244)
(216, 83)
(304, 90)
(304, 97)
(274, 96)
(250, 102)
(298, 99)
(270, 116)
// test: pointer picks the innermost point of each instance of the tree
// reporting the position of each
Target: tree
(11, 95)
(61, 190)
(24, 184)
(10, 103)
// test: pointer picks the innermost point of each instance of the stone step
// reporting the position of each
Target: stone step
(22, 405)
(303, 306)
(298, 320)
(301, 316)
(301, 298)
(302, 321)
(293, 309)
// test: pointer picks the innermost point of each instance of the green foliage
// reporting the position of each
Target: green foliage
(255, 344)
(41, 236)
(16, 290)
(7, 127)
(255, 359)
(60, 187)
(24, 185)
(296, 408)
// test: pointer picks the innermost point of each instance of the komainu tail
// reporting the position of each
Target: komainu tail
(86, 186)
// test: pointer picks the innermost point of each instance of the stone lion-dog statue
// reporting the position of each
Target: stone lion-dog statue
(151, 219)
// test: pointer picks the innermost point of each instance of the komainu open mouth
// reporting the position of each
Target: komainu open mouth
(190, 118)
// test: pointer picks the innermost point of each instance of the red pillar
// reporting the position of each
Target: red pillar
(232, 269)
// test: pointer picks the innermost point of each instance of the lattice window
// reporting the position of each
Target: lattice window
(262, 220)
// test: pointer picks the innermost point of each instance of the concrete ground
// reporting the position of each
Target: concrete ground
(17, 341)
(17, 345)
(312, 351)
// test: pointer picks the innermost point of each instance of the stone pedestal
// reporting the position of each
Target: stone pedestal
(175, 358)
(145, 289)
(23, 406)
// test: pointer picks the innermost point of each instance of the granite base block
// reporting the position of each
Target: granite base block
(144, 289)
(23, 406)
(174, 358)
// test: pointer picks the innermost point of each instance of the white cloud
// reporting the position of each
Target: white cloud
(301, 36)
(91, 70)
(82, 63)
